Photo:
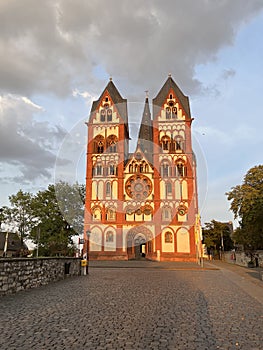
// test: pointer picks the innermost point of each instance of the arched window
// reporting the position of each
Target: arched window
(180, 169)
(129, 215)
(99, 144)
(109, 236)
(111, 214)
(147, 212)
(168, 237)
(97, 170)
(165, 169)
(174, 112)
(165, 142)
(108, 189)
(102, 115)
(96, 214)
(166, 214)
(112, 170)
(113, 147)
(168, 189)
(112, 144)
(179, 144)
(100, 147)
(109, 115)
(168, 113)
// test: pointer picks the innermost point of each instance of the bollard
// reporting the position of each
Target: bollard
(83, 267)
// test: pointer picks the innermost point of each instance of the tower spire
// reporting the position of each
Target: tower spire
(145, 138)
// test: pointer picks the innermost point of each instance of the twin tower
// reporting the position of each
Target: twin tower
(142, 204)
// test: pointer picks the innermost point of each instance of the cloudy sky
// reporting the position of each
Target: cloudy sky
(57, 56)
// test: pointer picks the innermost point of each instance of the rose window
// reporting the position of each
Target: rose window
(138, 187)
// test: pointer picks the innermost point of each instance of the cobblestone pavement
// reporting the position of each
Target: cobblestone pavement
(139, 306)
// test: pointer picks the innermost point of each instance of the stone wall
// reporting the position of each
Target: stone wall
(24, 273)
(242, 259)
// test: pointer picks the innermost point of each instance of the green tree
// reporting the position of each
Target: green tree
(50, 218)
(60, 211)
(3, 215)
(247, 206)
(71, 200)
(217, 235)
(52, 234)
(20, 215)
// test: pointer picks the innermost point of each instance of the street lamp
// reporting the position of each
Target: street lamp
(87, 251)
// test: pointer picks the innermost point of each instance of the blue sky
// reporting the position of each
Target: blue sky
(56, 57)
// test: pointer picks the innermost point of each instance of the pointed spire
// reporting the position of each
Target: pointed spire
(145, 138)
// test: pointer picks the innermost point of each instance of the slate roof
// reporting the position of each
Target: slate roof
(158, 101)
(14, 242)
(119, 102)
(145, 139)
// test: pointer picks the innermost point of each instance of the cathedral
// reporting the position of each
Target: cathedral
(144, 204)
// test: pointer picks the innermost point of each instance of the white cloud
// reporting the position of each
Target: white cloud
(53, 46)
(26, 144)
(54, 49)
(85, 94)
(29, 102)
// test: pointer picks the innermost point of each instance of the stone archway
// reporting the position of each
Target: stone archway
(140, 246)
(139, 239)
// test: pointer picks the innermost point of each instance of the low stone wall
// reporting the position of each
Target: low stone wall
(24, 273)
(242, 259)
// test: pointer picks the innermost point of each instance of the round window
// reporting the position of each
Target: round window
(138, 187)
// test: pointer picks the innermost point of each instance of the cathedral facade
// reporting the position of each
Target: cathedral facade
(142, 204)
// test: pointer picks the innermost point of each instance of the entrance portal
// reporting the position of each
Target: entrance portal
(140, 247)
(139, 243)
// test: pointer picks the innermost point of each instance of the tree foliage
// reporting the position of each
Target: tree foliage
(20, 214)
(217, 235)
(50, 218)
(247, 206)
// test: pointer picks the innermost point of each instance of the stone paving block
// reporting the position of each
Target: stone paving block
(134, 308)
